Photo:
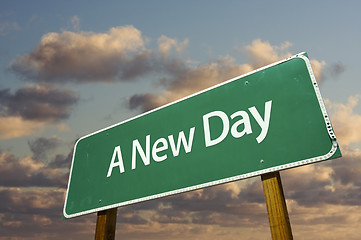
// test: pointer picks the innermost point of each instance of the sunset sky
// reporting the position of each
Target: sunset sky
(69, 68)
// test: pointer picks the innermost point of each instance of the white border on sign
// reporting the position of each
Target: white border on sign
(225, 180)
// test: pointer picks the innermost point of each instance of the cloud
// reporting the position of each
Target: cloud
(41, 146)
(318, 67)
(14, 127)
(62, 161)
(146, 101)
(8, 27)
(121, 55)
(345, 120)
(224, 205)
(37, 102)
(347, 171)
(75, 22)
(25, 200)
(327, 221)
(29, 172)
(32, 108)
(334, 182)
(165, 45)
(35, 213)
(183, 79)
(315, 187)
(227, 210)
(261, 53)
(318, 201)
(335, 70)
(324, 72)
(85, 56)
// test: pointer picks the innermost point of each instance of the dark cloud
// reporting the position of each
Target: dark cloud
(62, 161)
(347, 170)
(36, 213)
(33, 201)
(225, 205)
(37, 102)
(174, 217)
(41, 146)
(41, 149)
(331, 182)
(245, 215)
(128, 215)
(145, 102)
(335, 70)
(139, 65)
(29, 172)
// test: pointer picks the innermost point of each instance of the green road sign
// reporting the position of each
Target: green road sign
(267, 120)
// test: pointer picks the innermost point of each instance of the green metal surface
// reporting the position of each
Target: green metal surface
(298, 133)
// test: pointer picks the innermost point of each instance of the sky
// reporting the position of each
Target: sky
(69, 68)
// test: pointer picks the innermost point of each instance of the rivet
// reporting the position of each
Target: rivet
(262, 161)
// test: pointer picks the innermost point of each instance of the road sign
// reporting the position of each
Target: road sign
(267, 120)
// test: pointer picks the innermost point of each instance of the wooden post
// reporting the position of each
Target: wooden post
(276, 206)
(106, 222)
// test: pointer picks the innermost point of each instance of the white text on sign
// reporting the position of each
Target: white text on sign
(158, 150)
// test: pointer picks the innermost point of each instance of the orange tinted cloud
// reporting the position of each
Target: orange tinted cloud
(84, 56)
(13, 127)
(346, 122)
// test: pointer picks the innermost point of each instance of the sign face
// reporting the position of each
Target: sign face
(267, 120)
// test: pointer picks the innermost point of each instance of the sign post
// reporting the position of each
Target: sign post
(276, 206)
(270, 119)
(106, 223)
